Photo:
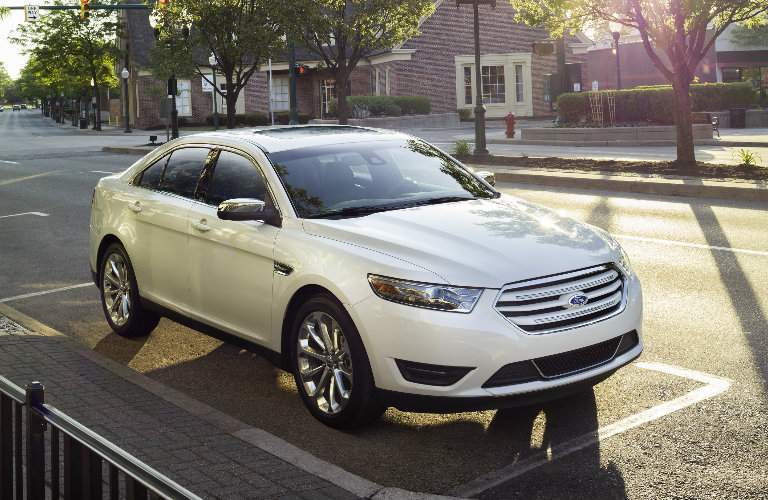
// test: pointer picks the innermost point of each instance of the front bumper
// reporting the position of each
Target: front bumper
(484, 341)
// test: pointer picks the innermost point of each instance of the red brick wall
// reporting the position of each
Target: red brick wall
(150, 92)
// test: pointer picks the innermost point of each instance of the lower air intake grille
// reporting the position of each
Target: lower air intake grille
(559, 365)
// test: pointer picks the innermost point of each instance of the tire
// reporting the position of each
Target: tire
(347, 356)
(115, 287)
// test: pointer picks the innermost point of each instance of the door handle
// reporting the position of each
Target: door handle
(201, 226)
(135, 206)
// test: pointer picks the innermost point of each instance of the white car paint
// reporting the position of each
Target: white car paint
(224, 276)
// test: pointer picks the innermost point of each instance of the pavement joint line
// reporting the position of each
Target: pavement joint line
(714, 385)
(703, 246)
(39, 214)
(253, 436)
(45, 292)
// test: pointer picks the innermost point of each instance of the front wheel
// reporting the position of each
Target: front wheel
(330, 365)
(120, 295)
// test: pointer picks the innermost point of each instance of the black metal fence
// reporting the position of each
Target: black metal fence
(81, 464)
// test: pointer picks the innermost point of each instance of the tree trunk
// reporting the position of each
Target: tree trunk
(231, 98)
(342, 106)
(686, 156)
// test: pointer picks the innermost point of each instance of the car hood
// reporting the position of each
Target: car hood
(482, 243)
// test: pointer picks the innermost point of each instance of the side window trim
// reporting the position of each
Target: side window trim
(136, 180)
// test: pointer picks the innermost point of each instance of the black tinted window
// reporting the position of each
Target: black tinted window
(150, 178)
(183, 170)
(235, 177)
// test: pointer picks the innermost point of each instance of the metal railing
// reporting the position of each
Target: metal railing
(78, 457)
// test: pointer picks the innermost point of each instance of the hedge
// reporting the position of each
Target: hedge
(391, 105)
(257, 119)
(654, 104)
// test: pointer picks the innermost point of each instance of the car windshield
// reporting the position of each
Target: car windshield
(357, 179)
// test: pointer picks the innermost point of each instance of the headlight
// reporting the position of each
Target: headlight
(623, 259)
(429, 296)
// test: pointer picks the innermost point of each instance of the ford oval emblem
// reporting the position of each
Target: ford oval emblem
(577, 300)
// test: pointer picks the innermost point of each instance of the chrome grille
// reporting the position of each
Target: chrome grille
(542, 305)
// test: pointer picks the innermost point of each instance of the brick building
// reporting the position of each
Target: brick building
(439, 64)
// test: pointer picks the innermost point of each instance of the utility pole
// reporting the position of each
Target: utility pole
(293, 115)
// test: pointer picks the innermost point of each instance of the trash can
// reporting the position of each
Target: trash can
(738, 117)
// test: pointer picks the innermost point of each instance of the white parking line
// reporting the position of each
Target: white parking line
(39, 214)
(103, 172)
(46, 292)
(714, 386)
(9, 162)
(692, 245)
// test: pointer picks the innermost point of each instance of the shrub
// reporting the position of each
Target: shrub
(284, 117)
(748, 158)
(385, 105)
(465, 114)
(654, 104)
(461, 148)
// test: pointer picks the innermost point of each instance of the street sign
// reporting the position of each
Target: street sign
(207, 86)
(31, 13)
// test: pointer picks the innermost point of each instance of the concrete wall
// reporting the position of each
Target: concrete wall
(624, 135)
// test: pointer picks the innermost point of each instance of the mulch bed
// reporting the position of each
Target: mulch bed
(646, 168)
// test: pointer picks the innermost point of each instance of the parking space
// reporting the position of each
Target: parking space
(703, 268)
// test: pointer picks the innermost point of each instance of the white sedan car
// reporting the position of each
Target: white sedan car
(376, 268)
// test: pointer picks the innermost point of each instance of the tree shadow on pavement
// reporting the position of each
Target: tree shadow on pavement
(578, 476)
(754, 325)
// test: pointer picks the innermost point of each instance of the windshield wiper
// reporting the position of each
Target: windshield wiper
(351, 212)
(441, 199)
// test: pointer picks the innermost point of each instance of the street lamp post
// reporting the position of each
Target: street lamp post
(616, 35)
(212, 62)
(127, 109)
(480, 145)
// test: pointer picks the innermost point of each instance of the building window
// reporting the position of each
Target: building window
(731, 74)
(386, 81)
(519, 95)
(280, 95)
(184, 102)
(493, 84)
(467, 84)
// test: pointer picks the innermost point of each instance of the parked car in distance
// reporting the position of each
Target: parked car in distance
(377, 269)
(16, 107)
(23, 106)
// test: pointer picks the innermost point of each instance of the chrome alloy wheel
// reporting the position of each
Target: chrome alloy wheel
(325, 362)
(116, 289)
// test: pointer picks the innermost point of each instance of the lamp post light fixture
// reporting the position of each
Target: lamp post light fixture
(212, 61)
(480, 145)
(127, 109)
(616, 34)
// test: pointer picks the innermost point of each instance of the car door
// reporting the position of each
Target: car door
(232, 261)
(160, 210)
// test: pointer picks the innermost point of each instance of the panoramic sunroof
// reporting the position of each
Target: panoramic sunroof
(293, 132)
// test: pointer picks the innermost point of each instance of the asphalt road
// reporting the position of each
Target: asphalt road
(704, 266)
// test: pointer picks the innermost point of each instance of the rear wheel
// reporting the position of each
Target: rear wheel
(120, 295)
(330, 365)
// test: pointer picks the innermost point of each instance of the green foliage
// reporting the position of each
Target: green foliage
(387, 105)
(66, 52)
(748, 158)
(654, 104)
(745, 37)
(241, 35)
(465, 114)
(461, 148)
(5, 80)
(341, 33)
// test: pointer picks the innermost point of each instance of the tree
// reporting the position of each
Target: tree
(70, 52)
(5, 80)
(242, 34)
(342, 32)
(676, 35)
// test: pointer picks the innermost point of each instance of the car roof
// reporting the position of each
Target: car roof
(284, 138)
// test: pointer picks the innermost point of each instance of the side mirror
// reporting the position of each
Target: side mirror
(487, 176)
(241, 209)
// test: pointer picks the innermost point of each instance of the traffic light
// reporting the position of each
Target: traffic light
(301, 69)
(85, 9)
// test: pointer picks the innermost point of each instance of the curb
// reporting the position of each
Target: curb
(580, 144)
(689, 187)
(259, 438)
(126, 150)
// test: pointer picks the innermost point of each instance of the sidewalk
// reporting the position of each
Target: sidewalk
(189, 442)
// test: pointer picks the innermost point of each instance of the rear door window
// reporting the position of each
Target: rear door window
(183, 171)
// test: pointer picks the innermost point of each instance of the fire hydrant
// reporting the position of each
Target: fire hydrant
(510, 119)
